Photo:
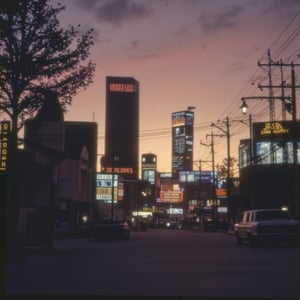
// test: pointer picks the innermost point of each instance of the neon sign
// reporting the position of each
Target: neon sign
(117, 170)
(122, 87)
(4, 129)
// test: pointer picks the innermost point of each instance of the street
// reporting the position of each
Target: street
(159, 263)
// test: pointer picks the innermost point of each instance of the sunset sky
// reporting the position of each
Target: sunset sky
(201, 53)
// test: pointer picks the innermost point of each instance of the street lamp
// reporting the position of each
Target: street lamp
(244, 107)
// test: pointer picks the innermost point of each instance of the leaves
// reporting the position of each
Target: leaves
(36, 54)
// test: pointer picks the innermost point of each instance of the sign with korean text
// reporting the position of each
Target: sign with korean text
(106, 184)
(171, 196)
(122, 87)
(4, 142)
(278, 129)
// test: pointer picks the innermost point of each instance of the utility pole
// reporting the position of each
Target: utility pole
(283, 107)
(227, 134)
(295, 148)
(213, 170)
(271, 98)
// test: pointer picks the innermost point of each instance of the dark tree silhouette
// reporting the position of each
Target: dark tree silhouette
(37, 55)
(37, 58)
(222, 169)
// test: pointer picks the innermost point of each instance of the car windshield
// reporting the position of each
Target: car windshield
(272, 215)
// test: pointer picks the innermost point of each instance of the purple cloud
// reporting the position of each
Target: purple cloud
(116, 11)
(225, 19)
(287, 8)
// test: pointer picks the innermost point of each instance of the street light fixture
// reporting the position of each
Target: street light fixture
(244, 107)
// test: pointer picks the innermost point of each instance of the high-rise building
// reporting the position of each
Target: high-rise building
(182, 141)
(149, 162)
(122, 127)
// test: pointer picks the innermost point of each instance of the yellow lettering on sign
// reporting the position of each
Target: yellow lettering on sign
(273, 128)
(5, 128)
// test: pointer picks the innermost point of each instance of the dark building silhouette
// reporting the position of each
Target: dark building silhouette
(182, 141)
(62, 155)
(122, 127)
(80, 147)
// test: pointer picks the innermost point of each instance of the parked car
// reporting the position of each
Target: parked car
(110, 230)
(174, 225)
(263, 225)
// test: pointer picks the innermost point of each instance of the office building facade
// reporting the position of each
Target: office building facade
(149, 163)
(121, 127)
(182, 141)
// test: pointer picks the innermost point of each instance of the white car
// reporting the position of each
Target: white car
(261, 225)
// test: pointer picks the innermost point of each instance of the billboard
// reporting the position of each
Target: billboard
(105, 186)
(171, 196)
(196, 176)
(278, 129)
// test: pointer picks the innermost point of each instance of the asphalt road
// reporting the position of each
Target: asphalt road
(159, 263)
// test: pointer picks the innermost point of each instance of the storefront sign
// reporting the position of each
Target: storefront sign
(266, 130)
(4, 141)
(171, 196)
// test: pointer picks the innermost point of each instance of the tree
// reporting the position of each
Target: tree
(36, 55)
(222, 169)
(37, 58)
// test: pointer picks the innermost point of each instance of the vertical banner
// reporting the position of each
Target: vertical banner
(4, 142)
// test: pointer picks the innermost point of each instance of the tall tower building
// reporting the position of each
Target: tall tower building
(122, 127)
(149, 162)
(182, 141)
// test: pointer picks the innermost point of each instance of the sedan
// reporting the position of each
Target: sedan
(111, 230)
(264, 225)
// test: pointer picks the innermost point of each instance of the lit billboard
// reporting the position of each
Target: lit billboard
(267, 130)
(195, 176)
(170, 192)
(105, 186)
(171, 196)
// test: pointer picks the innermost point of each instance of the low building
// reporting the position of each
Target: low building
(269, 167)
(61, 157)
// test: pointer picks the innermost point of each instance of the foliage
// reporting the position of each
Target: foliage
(222, 169)
(36, 55)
